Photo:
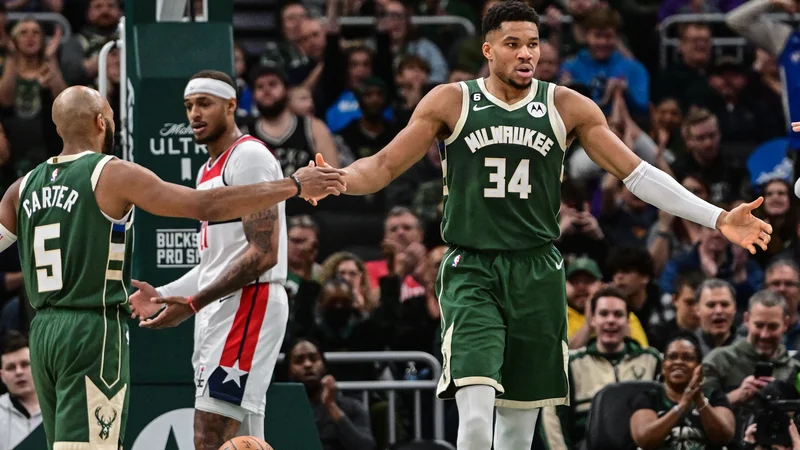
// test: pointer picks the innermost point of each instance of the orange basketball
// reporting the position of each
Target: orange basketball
(246, 443)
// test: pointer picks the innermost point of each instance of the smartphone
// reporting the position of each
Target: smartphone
(763, 369)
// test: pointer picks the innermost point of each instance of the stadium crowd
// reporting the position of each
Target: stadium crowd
(362, 269)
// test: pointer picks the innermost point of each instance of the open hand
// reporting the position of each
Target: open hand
(742, 228)
(329, 390)
(174, 314)
(141, 306)
(320, 181)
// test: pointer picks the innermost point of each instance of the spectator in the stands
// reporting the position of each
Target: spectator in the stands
(460, 74)
(19, 408)
(683, 412)
(687, 80)
(580, 231)
(80, 53)
(405, 41)
(732, 368)
(631, 270)
(583, 281)
(665, 125)
(301, 102)
(609, 357)
(343, 423)
(349, 267)
(702, 136)
(717, 258)
(314, 38)
(602, 67)
(403, 252)
(366, 136)
(671, 235)
(625, 218)
(302, 249)
(779, 211)
(717, 311)
(672, 7)
(687, 317)
(293, 139)
(30, 82)
(244, 94)
(285, 52)
(549, 66)
(413, 82)
(35, 5)
(783, 277)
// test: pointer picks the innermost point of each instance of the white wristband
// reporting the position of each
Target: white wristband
(7, 238)
(662, 191)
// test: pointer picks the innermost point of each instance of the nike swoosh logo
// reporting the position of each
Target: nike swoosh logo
(475, 108)
(558, 266)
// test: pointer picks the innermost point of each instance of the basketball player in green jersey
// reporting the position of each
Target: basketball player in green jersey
(72, 218)
(501, 285)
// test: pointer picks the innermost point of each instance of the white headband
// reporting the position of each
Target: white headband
(210, 86)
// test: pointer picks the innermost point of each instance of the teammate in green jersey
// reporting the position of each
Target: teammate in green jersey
(72, 217)
(501, 285)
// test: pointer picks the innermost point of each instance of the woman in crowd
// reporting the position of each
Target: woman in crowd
(681, 413)
(350, 267)
(778, 210)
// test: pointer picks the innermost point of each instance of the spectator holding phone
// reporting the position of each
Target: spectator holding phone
(735, 368)
(750, 439)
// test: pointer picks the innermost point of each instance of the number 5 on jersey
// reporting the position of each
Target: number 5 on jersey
(47, 258)
(518, 184)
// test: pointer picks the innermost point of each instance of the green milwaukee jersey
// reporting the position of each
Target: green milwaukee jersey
(502, 170)
(72, 254)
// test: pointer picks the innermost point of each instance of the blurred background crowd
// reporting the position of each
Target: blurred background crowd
(679, 86)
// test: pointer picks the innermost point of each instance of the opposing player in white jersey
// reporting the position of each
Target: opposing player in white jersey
(237, 289)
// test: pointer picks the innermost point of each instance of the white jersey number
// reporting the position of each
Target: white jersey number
(47, 261)
(518, 184)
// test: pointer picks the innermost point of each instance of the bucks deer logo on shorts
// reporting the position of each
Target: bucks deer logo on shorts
(105, 421)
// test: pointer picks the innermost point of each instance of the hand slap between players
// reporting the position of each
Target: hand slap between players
(177, 311)
(320, 181)
(742, 228)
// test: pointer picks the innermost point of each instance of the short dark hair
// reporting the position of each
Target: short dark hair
(267, 69)
(215, 75)
(692, 280)
(768, 299)
(609, 291)
(630, 259)
(413, 61)
(290, 349)
(508, 11)
(12, 341)
(303, 221)
(685, 336)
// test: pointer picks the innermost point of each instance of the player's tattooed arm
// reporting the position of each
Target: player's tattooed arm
(262, 232)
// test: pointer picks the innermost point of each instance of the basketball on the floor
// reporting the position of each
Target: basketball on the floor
(246, 443)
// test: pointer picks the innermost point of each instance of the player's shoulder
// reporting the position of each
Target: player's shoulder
(253, 148)
(447, 91)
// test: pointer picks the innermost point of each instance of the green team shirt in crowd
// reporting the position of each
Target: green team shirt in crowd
(72, 254)
(502, 168)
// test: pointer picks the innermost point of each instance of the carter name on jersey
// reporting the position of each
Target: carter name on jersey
(505, 135)
(59, 196)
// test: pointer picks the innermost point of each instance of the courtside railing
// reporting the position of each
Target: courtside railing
(392, 386)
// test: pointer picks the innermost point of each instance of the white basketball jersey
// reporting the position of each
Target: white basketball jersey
(247, 161)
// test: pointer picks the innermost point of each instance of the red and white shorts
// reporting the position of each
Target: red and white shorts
(236, 346)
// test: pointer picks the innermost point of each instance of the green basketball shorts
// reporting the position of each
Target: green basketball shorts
(80, 364)
(504, 325)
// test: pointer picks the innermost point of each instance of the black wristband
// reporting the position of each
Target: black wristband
(299, 186)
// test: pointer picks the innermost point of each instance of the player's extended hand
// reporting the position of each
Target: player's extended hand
(177, 311)
(141, 306)
(319, 161)
(796, 127)
(742, 228)
(319, 181)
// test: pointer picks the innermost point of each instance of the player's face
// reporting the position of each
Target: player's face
(610, 321)
(686, 308)
(207, 116)
(717, 309)
(680, 360)
(513, 52)
(305, 364)
(15, 371)
(271, 96)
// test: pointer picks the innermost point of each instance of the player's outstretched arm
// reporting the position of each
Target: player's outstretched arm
(8, 216)
(369, 175)
(586, 122)
(137, 185)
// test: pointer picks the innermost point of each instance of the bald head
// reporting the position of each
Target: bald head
(83, 117)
